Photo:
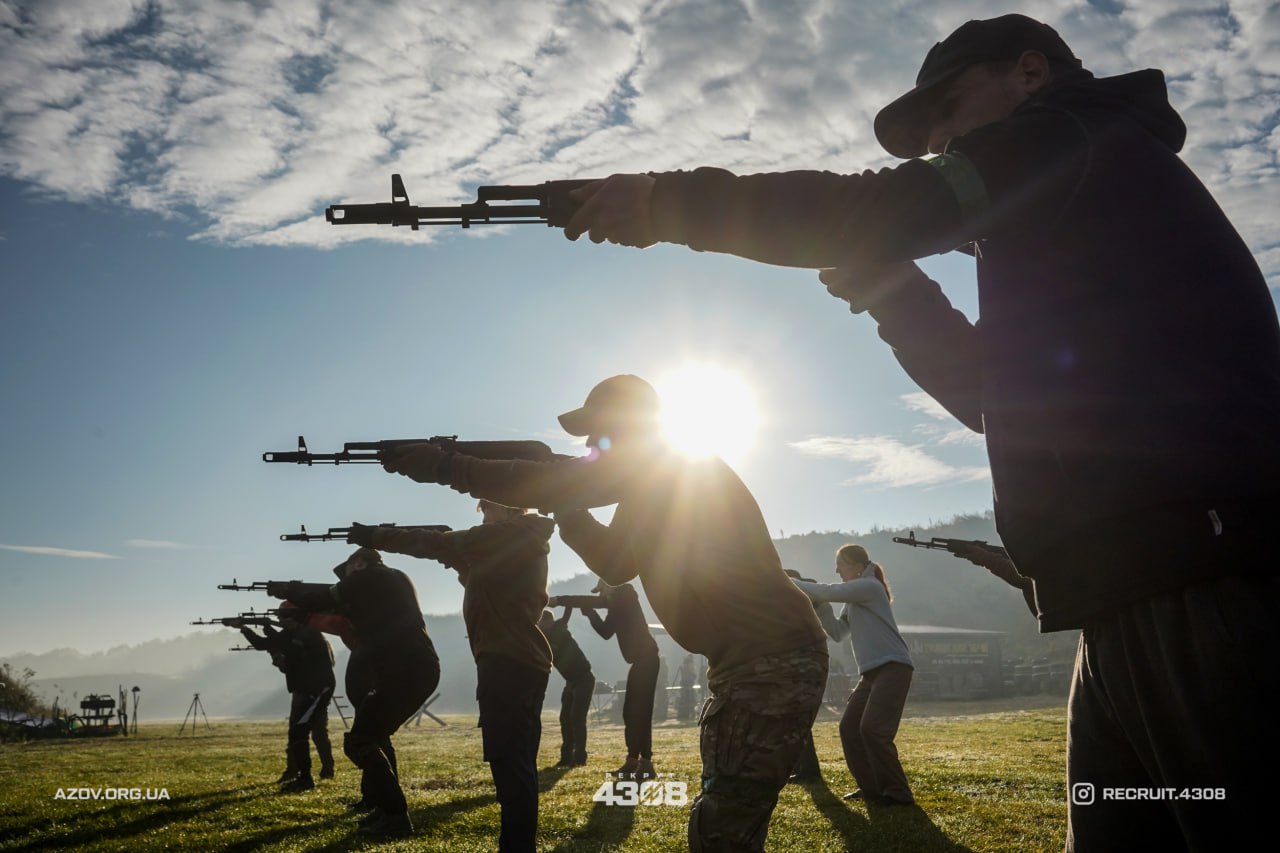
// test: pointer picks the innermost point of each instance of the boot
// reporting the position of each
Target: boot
(644, 768)
(628, 767)
(304, 782)
(326, 772)
(388, 826)
(579, 758)
(566, 756)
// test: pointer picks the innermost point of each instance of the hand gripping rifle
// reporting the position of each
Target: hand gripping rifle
(592, 602)
(547, 202)
(339, 534)
(950, 545)
(366, 452)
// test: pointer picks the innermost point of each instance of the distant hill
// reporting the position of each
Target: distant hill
(929, 587)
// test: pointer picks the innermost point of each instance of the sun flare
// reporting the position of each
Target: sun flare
(708, 411)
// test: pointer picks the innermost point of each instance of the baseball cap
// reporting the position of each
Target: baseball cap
(900, 127)
(624, 395)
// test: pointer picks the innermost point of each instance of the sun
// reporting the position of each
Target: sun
(708, 411)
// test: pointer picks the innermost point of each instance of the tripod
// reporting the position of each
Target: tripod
(196, 705)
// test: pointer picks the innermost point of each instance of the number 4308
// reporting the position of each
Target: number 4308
(627, 793)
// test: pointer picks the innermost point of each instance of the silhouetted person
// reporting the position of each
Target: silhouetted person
(502, 564)
(695, 537)
(306, 659)
(383, 608)
(579, 687)
(625, 619)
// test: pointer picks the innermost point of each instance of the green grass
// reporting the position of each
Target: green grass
(984, 781)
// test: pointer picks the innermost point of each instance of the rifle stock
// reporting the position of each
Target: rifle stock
(950, 545)
(547, 202)
(368, 452)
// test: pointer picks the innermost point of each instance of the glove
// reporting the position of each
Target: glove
(418, 462)
(279, 589)
(867, 288)
(360, 534)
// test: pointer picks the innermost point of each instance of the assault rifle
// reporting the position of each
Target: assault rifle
(273, 587)
(339, 534)
(592, 602)
(948, 544)
(269, 617)
(547, 202)
(354, 452)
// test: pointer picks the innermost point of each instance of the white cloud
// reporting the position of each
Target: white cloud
(157, 544)
(889, 462)
(249, 118)
(949, 431)
(59, 552)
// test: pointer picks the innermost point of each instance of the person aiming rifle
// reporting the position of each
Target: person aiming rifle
(306, 659)
(383, 608)
(579, 683)
(993, 558)
(692, 533)
(502, 565)
(625, 619)
(1125, 372)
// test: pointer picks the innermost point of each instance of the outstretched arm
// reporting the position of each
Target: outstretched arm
(935, 343)
(605, 551)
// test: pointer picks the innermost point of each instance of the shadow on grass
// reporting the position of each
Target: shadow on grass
(549, 776)
(607, 826)
(906, 826)
(103, 824)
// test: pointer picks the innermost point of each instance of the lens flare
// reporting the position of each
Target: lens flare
(708, 411)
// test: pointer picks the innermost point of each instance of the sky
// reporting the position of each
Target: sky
(174, 303)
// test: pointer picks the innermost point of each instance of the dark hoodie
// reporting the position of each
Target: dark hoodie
(503, 567)
(1126, 367)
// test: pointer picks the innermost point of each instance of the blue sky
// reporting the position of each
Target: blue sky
(175, 305)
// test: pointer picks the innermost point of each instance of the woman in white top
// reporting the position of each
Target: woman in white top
(874, 710)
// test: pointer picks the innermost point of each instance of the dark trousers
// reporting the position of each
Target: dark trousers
(403, 683)
(868, 727)
(1170, 721)
(637, 707)
(808, 767)
(359, 682)
(510, 696)
(309, 720)
(575, 702)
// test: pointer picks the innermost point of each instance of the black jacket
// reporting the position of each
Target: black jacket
(302, 654)
(1126, 366)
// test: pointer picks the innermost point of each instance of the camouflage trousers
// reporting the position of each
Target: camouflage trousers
(753, 732)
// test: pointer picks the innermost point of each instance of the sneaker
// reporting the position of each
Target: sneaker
(860, 795)
(298, 785)
(644, 768)
(287, 776)
(389, 826)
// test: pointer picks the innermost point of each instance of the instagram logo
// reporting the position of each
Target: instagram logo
(1082, 794)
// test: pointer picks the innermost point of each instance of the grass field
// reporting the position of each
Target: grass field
(984, 781)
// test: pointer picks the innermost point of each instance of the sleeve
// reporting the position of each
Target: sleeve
(606, 551)
(855, 591)
(604, 627)
(496, 549)
(936, 345)
(424, 544)
(810, 219)
(314, 598)
(546, 486)
(259, 643)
